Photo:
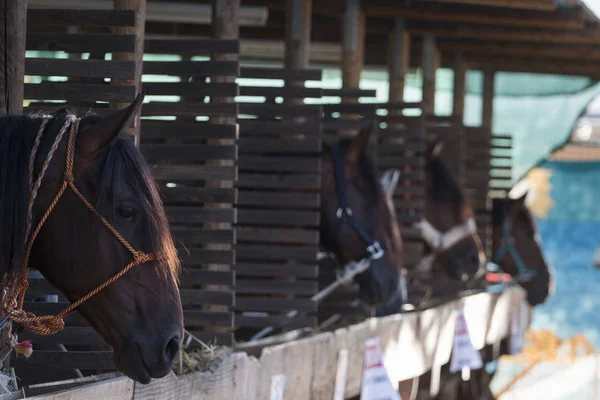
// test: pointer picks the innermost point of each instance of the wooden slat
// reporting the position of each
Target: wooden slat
(263, 252)
(278, 181)
(191, 90)
(259, 286)
(242, 268)
(188, 108)
(275, 321)
(278, 217)
(358, 108)
(280, 110)
(280, 163)
(349, 93)
(278, 200)
(67, 360)
(197, 297)
(192, 195)
(69, 335)
(80, 43)
(292, 146)
(207, 318)
(199, 257)
(194, 172)
(199, 215)
(186, 152)
(192, 68)
(281, 73)
(186, 130)
(286, 92)
(191, 46)
(277, 235)
(205, 277)
(190, 236)
(79, 92)
(80, 68)
(274, 304)
(73, 17)
(264, 127)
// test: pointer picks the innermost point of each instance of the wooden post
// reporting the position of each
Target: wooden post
(297, 33)
(430, 64)
(13, 27)
(460, 75)
(139, 6)
(398, 60)
(487, 109)
(353, 45)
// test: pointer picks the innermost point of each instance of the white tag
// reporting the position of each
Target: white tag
(376, 384)
(277, 387)
(463, 352)
(517, 329)
(340, 375)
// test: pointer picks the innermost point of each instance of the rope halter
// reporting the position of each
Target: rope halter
(51, 324)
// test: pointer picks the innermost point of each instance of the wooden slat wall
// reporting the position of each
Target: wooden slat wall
(488, 174)
(401, 145)
(278, 201)
(194, 164)
(451, 131)
(80, 81)
(87, 85)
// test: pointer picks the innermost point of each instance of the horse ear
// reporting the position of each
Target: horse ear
(359, 144)
(389, 181)
(434, 148)
(520, 202)
(99, 135)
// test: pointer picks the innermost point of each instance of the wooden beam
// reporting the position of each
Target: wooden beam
(353, 44)
(297, 34)
(487, 108)
(139, 6)
(511, 50)
(398, 60)
(540, 5)
(13, 26)
(458, 94)
(476, 15)
(537, 67)
(588, 35)
(430, 62)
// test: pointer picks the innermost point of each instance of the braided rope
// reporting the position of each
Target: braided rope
(51, 324)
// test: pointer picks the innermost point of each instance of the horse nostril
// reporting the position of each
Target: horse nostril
(171, 349)
(474, 258)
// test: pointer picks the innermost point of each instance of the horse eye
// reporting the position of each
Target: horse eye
(126, 213)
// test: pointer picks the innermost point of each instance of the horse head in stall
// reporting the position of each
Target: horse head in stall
(448, 226)
(356, 221)
(78, 203)
(517, 248)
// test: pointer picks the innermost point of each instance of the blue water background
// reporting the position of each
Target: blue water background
(570, 234)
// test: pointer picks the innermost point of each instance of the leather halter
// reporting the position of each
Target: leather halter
(51, 324)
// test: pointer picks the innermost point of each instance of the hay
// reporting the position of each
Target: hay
(201, 357)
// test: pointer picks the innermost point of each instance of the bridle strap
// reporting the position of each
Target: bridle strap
(51, 324)
(344, 213)
(507, 247)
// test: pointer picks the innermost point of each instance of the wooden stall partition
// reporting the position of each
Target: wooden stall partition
(488, 175)
(451, 131)
(278, 200)
(60, 76)
(196, 175)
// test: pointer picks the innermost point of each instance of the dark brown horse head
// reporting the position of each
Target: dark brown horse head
(513, 225)
(140, 314)
(450, 220)
(370, 213)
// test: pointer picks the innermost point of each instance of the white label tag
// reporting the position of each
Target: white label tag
(340, 375)
(376, 384)
(517, 329)
(277, 387)
(463, 352)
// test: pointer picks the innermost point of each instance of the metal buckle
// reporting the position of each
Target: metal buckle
(375, 251)
(341, 211)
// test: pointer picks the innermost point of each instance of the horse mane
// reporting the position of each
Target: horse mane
(17, 134)
(444, 187)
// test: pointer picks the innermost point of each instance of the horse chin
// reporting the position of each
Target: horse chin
(129, 361)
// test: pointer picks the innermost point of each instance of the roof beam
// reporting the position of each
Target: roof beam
(589, 35)
(566, 19)
(539, 5)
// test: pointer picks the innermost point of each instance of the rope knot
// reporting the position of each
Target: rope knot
(140, 257)
(68, 176)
